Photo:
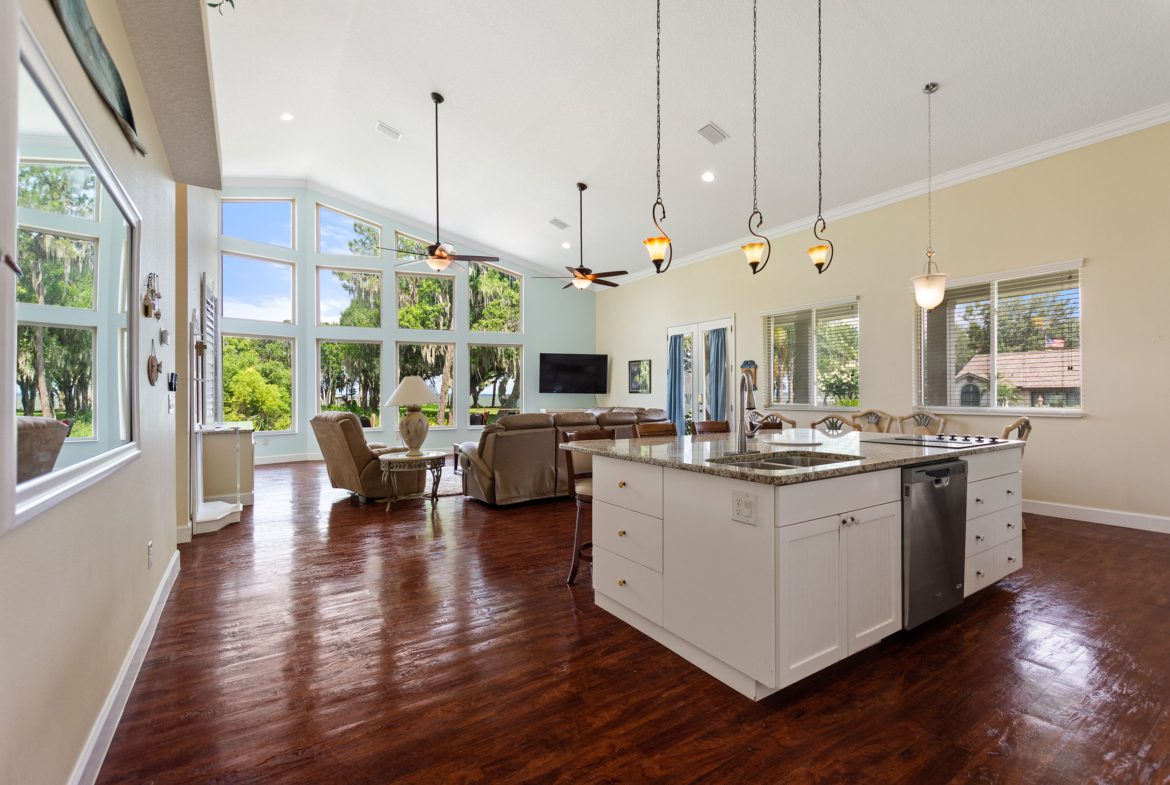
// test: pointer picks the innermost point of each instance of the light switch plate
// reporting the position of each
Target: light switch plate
(170, 403)
(743, 507)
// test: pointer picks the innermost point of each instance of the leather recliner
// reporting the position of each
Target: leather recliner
(352, 462)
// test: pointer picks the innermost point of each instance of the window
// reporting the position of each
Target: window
(494, 298)
(495, 382)
(349, 298)
(812, 356)
(60, 187)
(55, 375)
(425, 302)
(1013, 342)
(58, 269)
(435, 363)
(259, 289)
(258, 381)
(349, 379)
(268, 221)
(406, 242)
(342, 233)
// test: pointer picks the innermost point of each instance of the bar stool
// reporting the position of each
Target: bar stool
(581, 487)
(712, 426)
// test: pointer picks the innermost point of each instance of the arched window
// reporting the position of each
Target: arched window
(970, 395)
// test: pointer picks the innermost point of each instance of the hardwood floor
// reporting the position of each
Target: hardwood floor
(318, 642)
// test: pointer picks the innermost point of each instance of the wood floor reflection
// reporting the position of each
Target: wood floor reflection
(319, 642)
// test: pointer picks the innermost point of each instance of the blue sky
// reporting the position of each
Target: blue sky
(333, 297)
(257, 289)
(336, 230)
(261, 222)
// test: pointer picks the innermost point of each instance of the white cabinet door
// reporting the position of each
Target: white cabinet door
(873, 574)
(811, 597)
(718, 590)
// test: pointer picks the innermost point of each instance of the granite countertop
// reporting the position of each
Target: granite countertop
(870, 452)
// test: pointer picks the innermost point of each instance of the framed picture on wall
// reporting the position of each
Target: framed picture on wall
(639, 376)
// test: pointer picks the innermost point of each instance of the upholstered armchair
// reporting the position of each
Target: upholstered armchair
(38, 443)
(515, 460)
(352, 463)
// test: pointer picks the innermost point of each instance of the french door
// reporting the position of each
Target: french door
(708, 377)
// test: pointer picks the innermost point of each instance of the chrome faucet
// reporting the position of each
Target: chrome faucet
(745, 394)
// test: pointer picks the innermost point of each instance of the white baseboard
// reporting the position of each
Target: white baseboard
(245, 498)
(293, 457)
(93, 754)
(183, 533)
(1129, 520)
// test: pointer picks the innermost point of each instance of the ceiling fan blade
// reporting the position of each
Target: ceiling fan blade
(552, 277)
(400, 252)
(573, 271)
(601, 282)
(610, 273)
(568, 285)
(469, 258)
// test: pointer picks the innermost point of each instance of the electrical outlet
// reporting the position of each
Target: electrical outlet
(150, 554)
(170, 403)
(743, 507)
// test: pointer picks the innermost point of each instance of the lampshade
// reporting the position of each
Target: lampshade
(582, 283)
(929, 289)
(411, 391)
(754, 252)
(819, 254)
(656, 247)
(438, 263)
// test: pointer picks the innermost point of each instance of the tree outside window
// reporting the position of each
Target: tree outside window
(435, 364)
(350, 379)
(494, 372)
(257, 382)
(494, 299)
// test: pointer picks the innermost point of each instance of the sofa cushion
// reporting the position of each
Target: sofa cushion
(615, 417)
(569, 420)
(653, 415)
(514, 422)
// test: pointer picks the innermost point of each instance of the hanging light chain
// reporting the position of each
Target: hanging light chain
(658, 95)
(820, 165)
(755, 142)
(929, 173)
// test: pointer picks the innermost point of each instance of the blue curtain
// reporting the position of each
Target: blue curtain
(717, 375)
(674, 384)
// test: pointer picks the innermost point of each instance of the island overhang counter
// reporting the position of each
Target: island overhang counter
(763, 576)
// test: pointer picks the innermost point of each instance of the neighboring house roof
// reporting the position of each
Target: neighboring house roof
(1049, 369)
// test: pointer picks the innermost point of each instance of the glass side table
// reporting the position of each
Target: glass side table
(392, 463)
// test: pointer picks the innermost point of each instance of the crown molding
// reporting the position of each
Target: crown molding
(1127, 124)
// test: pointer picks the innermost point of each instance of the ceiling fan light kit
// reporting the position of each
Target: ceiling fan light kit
(931, 287)
(659, 247)
(581, 277)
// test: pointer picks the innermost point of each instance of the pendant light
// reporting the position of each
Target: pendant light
(758, 252)
(930, 287)
(660, 249)
(821, 254)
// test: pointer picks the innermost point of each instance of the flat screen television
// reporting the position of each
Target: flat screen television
(574, 373)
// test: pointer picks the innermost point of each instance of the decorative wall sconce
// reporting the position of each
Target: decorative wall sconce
(151, 297)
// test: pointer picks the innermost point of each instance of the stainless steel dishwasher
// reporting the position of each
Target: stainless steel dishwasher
(934, 539)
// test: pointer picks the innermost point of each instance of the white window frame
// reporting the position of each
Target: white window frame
(767, 317)
(292, 339)
(519, 327)
(436, 330)
(918, 370)
(519, 381)
(331, 208)
(292, 202)
(223, 289)
(344, 269)
(317, 372)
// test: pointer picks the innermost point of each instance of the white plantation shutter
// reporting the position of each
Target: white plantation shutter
(1009, 343)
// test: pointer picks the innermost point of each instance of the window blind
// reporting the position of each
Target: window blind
(1009, 343)
(812, 356)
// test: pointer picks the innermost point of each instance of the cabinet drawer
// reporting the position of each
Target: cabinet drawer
(1009, 557)
(631, 534)
(1008, 524)
(634, 486)
(629, 583)
(988, 496)
(981, 534)
(978, 572)
(808, 501)
(992, 464)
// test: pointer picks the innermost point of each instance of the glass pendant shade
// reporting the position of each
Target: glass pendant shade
(819, 254)
(754, 252)
(582, 283)
(656, 247)
(929, 289)
(438, 263)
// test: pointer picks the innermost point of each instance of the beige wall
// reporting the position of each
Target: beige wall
(1108, 203)
(74, 582)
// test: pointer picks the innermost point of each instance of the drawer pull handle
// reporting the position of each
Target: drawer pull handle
(621, 483)
(852, 520)
(1011, 526)
(978, 538)
(978, 573)
(978, 500)
(1012, 559)
(621, 532)
(844, 521)
(621, 581)
(1011, 493)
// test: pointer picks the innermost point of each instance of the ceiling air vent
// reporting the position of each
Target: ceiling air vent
(390, 131)
(558, 223)
(712, 133)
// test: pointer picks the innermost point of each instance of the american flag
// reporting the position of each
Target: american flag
(1053, 343)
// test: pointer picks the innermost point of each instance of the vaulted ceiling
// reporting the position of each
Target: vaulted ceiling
(541, 95)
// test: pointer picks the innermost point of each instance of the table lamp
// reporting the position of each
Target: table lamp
(412, 392)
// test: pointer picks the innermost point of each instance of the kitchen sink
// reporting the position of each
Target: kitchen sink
(779, 461)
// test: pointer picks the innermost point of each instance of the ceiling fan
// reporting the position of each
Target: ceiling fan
(438, 255)
(581, 276)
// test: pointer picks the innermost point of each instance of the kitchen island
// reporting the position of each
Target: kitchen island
(763, 568)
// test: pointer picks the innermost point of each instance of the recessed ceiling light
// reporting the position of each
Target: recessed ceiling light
(707, 177)
(286, 117)
(566, 245)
